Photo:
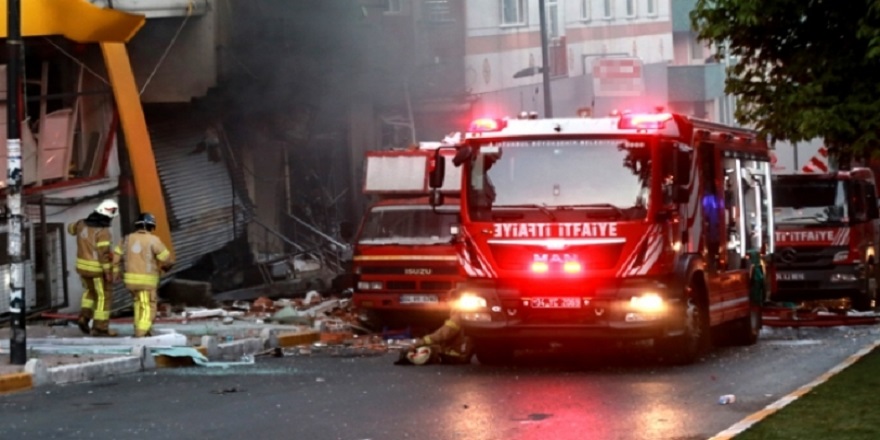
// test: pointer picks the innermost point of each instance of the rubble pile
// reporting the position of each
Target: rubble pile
(332, 317)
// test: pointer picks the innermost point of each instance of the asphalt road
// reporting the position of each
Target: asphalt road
(326, 396)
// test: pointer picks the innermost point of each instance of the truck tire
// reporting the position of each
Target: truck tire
(746, 330)
(687, 347)
(866, 299)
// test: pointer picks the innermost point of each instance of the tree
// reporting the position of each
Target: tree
(803, 69)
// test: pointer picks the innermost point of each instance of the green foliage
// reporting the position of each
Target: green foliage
(845, 407)
(803, 69)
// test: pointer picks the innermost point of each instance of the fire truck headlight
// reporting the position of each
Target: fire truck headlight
(647, 303)
(540, 267)
(571, 267)
(841, 256)
(469, 302)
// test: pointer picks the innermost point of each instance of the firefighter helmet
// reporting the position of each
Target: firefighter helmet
(108, 208)
(419, 356)
(146, 221)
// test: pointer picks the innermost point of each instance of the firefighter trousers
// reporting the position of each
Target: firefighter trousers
(449, 342)
(96, 301)
(145, 302)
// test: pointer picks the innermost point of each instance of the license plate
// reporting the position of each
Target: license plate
(418, 299)
(555, 303)
(790, 276)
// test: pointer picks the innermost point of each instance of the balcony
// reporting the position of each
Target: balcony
(696, 83)
(156, 8)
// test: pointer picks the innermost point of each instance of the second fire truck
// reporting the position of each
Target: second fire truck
(828, 228)
(628, 227)
(404, 259)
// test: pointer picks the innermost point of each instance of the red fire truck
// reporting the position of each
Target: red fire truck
(404, 259)
(629, 227)
(827, 235)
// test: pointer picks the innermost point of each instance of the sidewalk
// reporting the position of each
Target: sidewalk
(62, 354)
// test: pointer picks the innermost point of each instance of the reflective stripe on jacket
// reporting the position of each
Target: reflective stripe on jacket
(93, 255)
(142, 256)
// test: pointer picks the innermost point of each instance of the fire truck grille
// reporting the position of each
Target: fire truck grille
(413, 269)
(805, 285)
(436, 285)
(593, 257)
(419, 286)
(806, 257)
(400, 285)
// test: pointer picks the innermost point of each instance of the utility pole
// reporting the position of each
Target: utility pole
(17, 339)
(545, 61)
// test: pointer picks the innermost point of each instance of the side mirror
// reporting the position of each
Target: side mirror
(436, 198)
(438, 171)
(462, 155)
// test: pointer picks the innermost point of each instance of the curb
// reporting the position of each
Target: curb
(750, 420)
(36, 374)
(10, 383)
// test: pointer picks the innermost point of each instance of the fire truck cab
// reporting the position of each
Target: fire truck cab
(629, 227)
(404, 260)
(828, 230)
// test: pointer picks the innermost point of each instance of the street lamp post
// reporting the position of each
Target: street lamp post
(545, 61)
(17, 338)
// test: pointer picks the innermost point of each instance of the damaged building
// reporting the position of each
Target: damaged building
(242, 125)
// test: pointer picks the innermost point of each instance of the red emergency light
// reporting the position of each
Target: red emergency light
(486, 124)
(644, 121)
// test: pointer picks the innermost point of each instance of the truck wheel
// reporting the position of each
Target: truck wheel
(746, 330)
(866, 299)
(493, 353)
(687, 347)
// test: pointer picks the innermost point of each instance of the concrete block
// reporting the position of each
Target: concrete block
(143, 352)
(269, 337)
(233, 351)
(38, 371)
(209, 343)
(94, 370)
(298, 338)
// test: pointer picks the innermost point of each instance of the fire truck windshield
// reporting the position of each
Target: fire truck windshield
(806, 200)
(407, 225)
(601, 177)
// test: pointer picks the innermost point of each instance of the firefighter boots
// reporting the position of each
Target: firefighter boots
(104, 333)
(83, 323)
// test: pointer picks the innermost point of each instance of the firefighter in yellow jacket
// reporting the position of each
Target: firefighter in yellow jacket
(143, 257)
(94, 264)
(446, 345)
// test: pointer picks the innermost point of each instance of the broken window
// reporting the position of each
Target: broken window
(67, 133)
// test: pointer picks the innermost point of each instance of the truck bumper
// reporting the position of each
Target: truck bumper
(524, 333)
(402, 302)
(842, 281)
(604, 314)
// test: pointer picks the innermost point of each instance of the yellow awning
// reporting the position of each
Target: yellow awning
(78, 20)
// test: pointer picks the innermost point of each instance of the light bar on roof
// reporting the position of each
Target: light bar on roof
(644, 121)
(487, 124)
